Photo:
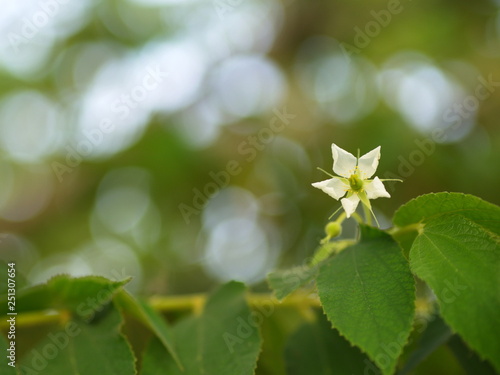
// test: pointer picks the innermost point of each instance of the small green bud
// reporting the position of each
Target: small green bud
(333, 229)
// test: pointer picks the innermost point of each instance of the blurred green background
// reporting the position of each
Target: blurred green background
(176, 141)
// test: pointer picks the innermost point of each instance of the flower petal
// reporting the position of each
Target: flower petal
(376, 189)
(344, 163)
(350, 204)
(334, 187)
(368, 163)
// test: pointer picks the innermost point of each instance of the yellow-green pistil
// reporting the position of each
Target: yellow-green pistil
(355, 182)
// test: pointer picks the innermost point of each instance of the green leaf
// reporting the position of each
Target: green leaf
(157, 361)
(81, 348)
(316, 348)
(4, 364)
(460, 260)
(457, 254)
(368, 294)
(286, 282)
(151, 319)
(227, 312)
(430, 206)
(224, 340)
(83, 295)
(276, 329)
(468, 359)
(436, 334)
(405, 239)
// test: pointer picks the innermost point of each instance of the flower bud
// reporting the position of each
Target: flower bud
(333, 229)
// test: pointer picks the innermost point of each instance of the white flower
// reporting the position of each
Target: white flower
(355, 183)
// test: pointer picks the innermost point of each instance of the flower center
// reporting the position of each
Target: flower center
(355, 182)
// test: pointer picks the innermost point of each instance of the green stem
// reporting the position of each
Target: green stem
(341, 218)
(397, 231)
(357, 217)
(31, 319)
(368, 215)
(328, 249)
(165, 304)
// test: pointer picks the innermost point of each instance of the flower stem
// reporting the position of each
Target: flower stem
(341, 218)
(368, 215)
(357, 217)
